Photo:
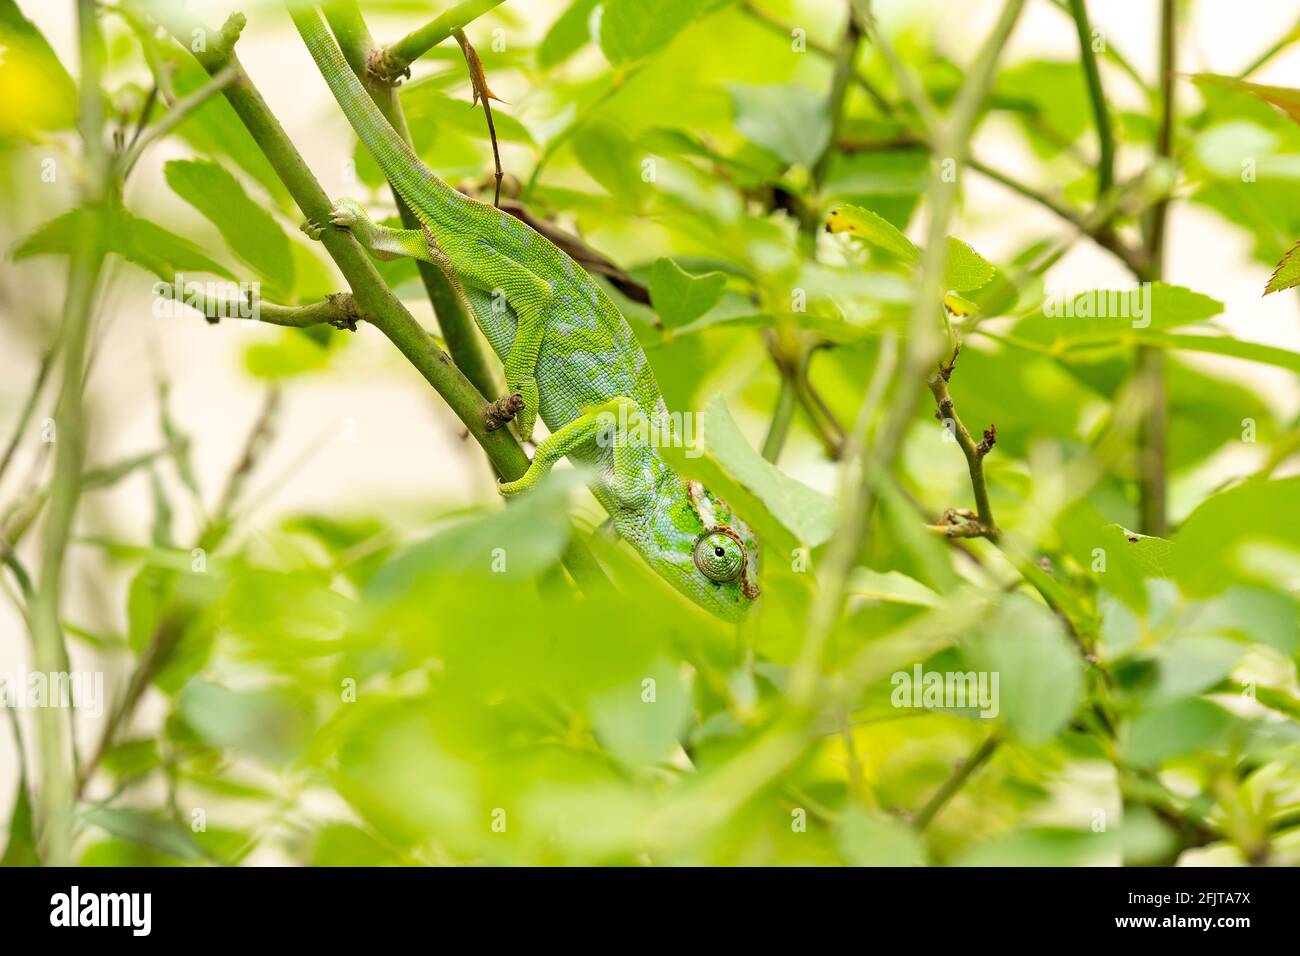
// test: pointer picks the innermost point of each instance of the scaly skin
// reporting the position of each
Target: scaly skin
(566, 349)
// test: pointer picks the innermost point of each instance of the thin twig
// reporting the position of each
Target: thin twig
(29, 406)
(1153, 490)
(174, 117)
(1112, 53)
(145, 112)
(782, 414)
(787, 30)
(1097, 96)
(955, 782)
(974, 452)
(483, 94)
(1291, 37)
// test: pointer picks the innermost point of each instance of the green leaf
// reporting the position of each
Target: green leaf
(890, 182)
(1153, 555)
(802, 512)
(214, 129)
(1225, 345)
(137, 240)
(873, 840)
(606, 152)
(423, 103)
(873, 229)
(1040, 676)
(1041, 846)
(640, 731)
(293, 352)
(1102, 316)
(21, 847)
(1214, 541)
(1253, 614)
(1189, 664)
(786, 119)
(892, 586)
(273, 723)
(1166, 732)
(633, 29)
(1287, 273)
(36, 90)
(681, 298)
(136, 826)
(131, 758)
(1046, 94)
(1105, 552)
(967, 270)
(567, 35)
(342, 844)
(530, 535)
(251, 233)
(1284, 98)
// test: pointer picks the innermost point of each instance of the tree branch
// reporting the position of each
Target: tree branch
(394, 62)
(373, 298)
(84, 266)
(455, 322)
(338, 309)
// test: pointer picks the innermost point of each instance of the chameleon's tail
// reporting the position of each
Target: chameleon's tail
(414, 181)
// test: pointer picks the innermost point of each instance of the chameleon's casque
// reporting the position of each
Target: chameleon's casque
(566, 349)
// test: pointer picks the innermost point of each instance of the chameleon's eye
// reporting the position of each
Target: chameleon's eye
(720, 556)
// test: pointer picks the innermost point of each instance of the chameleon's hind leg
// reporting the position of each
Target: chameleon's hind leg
(617, 422)
(530, 297)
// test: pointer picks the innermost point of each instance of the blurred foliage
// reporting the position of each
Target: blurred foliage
(345, 688)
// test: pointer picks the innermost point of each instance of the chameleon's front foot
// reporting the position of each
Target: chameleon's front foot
(345, 214)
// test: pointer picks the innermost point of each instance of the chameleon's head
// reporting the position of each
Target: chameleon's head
(707, 552)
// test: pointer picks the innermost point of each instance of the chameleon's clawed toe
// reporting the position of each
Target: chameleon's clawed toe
(311, 229)
(526, 415)
(346, 213)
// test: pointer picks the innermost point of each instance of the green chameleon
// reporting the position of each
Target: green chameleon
(567, 351)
